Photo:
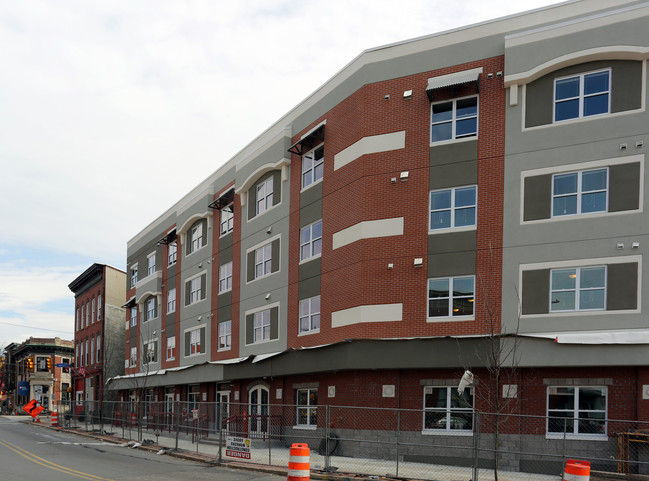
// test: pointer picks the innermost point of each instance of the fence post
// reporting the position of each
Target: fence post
(177, 422)
(397, 441)
(476, 446)
(220, 425)
(327, 460)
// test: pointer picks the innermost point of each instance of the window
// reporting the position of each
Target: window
(133, 275)
(578, 289)
(195, 341)
(83, 316)
(87, 313)
(264, 196)
(312, 166)
(78, 318)
(197, 237)
(98, 349)
(311, 241)
(150, 309)
(171, 347)
(171, 300)
(453, 208)
(172, 253)
(133, 316)
(225, 277)
(456, 119)
(92, 311)
(446, 410)
(225, 335)
(579, 192)
(92, 350)
(261, 326)
(577, 410)
(150, 262)
(307, 411)
(263, 261)
(450, 296)
(151, 354)
(582, 95)
(310, 315)
(99, 307)
(227, 220)
(133, 358)
(41, 364)
(195, 289)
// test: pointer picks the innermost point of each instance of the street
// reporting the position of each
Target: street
(33, 453)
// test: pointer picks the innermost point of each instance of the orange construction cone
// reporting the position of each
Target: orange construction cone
(298, 463)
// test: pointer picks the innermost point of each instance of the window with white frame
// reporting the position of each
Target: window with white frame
(83, 316)
(98, 349)
(227, 220)
(264, 196)
(446, 410)
(580, 192)
(451, 296)
(133, 316)
(171, 347)
(172, 253)
(197, 237)
(578, 410)
(133, 275)
(225, 335)
(78, 318)
(578, 289)
(99, 307)
(150, 309)
(171, 300)
(307, 407)
(261, 326)
(133, 357)
(92, 311)
(584, 95)
(312, 166)
(92, 350)
(195, 289)
(195, 341)
(225, 277)
(87, 313)
(150, 263)
(311, 241)
(310, 315)
(454, 119)
(263, 260)
(150, 352)
(453, 208)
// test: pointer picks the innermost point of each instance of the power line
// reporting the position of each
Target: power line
(33, 327)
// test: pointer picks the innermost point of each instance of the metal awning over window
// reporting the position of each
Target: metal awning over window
(453, 80)
(169, 238)
(224, 200)
(130, 303)
(308, 141)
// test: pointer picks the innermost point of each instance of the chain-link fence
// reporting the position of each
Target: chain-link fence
(410, 444)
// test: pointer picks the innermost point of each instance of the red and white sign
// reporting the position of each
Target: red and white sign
(236, 447)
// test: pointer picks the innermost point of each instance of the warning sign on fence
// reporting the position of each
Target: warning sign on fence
(236, 447)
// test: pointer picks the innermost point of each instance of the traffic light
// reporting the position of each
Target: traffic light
(49, 364)
(30, 363)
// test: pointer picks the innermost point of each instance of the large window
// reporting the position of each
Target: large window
(133, 275)
(263, 260)
(171, 347)
(195, 286)
(99, 307)
(150, 262)
(172, 253)
(171, 300)
(92, 311)
(307, 410)
(196, 233)
(133, 312)
(446, 410)
(311, 241)
(225, 277)
(582, 95)
(225, 335)
(150, 353)
(264, 196)
(261, 326)
(579, 192)
(310, 315)
(195, 341)
(453, 208)
(577, 410)
(578, 289)
(312, 166)
(451, 296)
(227, 220)
(150, 309)
(133, 359)
(455, 119)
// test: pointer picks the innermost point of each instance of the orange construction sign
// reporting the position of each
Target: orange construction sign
(33, 408)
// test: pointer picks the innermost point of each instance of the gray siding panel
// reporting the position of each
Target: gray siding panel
(622, 286)
(310, 213)
(274, 323)
(536, 292)
(250, 266)
(537, 200)
(624, 187)
(274, 262)
(249, 328)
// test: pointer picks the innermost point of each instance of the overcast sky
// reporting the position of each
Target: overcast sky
(111, 111)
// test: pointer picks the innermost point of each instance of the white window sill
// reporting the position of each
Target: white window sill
(305, 427)
(304, 261)
(308, 333)
(225, 290)
(222, 349)
(446, 230)
(451, 319)
(577, 437)
(307, 187)
(443, 432)
(452, 141)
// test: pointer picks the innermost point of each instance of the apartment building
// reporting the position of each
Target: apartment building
(437, 197)
(99, 295)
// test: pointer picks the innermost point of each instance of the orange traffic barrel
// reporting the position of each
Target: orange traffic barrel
(133, 419)
(298, 463)
(576, 470)
(55, 418)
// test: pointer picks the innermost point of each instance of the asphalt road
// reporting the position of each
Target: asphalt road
(33, 453)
